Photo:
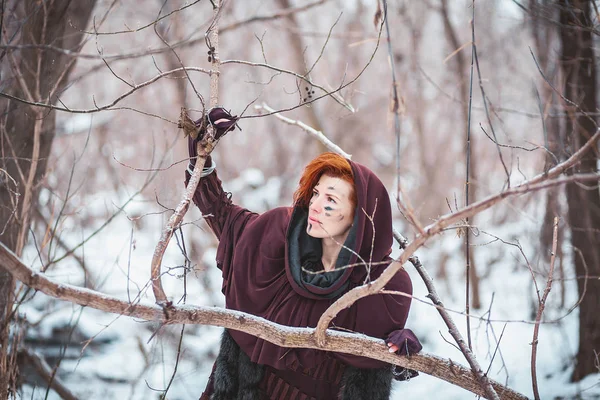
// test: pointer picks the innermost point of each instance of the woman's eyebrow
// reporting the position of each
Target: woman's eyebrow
(334, 194)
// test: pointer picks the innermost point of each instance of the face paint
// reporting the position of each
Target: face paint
(328, 208)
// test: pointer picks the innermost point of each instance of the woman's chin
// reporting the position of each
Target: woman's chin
(314, 232)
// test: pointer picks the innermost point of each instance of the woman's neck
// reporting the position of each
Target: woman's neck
(331, 251)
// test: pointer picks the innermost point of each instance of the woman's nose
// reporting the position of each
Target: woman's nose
(316, 205)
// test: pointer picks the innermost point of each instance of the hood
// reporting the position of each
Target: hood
(370, 239)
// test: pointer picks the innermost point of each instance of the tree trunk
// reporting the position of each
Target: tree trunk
(461, 68)
(544, 38)
(35, 75)
(577, 62)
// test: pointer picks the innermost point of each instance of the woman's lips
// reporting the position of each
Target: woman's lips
(313, 220)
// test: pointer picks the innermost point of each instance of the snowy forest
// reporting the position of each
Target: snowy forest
(479, 116)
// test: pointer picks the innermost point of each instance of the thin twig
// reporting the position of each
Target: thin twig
(395, 98)
(334, 91)
(182, 44)
(149, 179)
(163, 395)
(336, 96)
(562, 96)
(110, 105)
(317, 134)
(154, 22)
(542, 305)
(468, 183)
(178, 59)
(485, 98)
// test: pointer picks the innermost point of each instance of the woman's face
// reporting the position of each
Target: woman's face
(330, 211)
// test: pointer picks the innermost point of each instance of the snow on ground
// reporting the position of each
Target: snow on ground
(125, 360)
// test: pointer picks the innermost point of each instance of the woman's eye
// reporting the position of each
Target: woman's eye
(315, 193)
(330, 199)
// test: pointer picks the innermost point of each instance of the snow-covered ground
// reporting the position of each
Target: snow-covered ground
(125, 360)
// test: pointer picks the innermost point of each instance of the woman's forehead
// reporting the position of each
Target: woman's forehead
(334, 185)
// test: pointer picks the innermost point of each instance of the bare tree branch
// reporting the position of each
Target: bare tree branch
(280, 335)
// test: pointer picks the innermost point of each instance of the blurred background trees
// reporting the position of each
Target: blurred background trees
(84, 194)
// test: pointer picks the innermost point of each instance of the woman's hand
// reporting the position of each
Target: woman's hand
(403, 342)
(220, 119)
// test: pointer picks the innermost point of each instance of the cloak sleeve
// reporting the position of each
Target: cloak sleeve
(226, 219)
(378, 315)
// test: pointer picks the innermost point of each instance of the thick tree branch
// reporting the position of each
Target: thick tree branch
(280, 335)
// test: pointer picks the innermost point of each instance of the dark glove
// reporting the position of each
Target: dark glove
(408, 344)
(221, 120)
(406, 341)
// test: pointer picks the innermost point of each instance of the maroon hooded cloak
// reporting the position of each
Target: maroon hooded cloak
(261, 257)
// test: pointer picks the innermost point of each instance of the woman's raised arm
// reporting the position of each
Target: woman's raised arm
(214, 203)
(226, 219)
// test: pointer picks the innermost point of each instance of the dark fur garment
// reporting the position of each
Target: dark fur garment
(363, 383)
(238, 378)
(235, 376)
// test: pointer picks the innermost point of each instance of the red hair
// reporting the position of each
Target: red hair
(330, 164)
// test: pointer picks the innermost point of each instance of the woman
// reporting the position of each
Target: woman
(289, 265)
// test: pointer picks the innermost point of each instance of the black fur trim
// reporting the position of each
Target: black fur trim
(235, 376)
(366, 384)
(226, 369)
(250, 375)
